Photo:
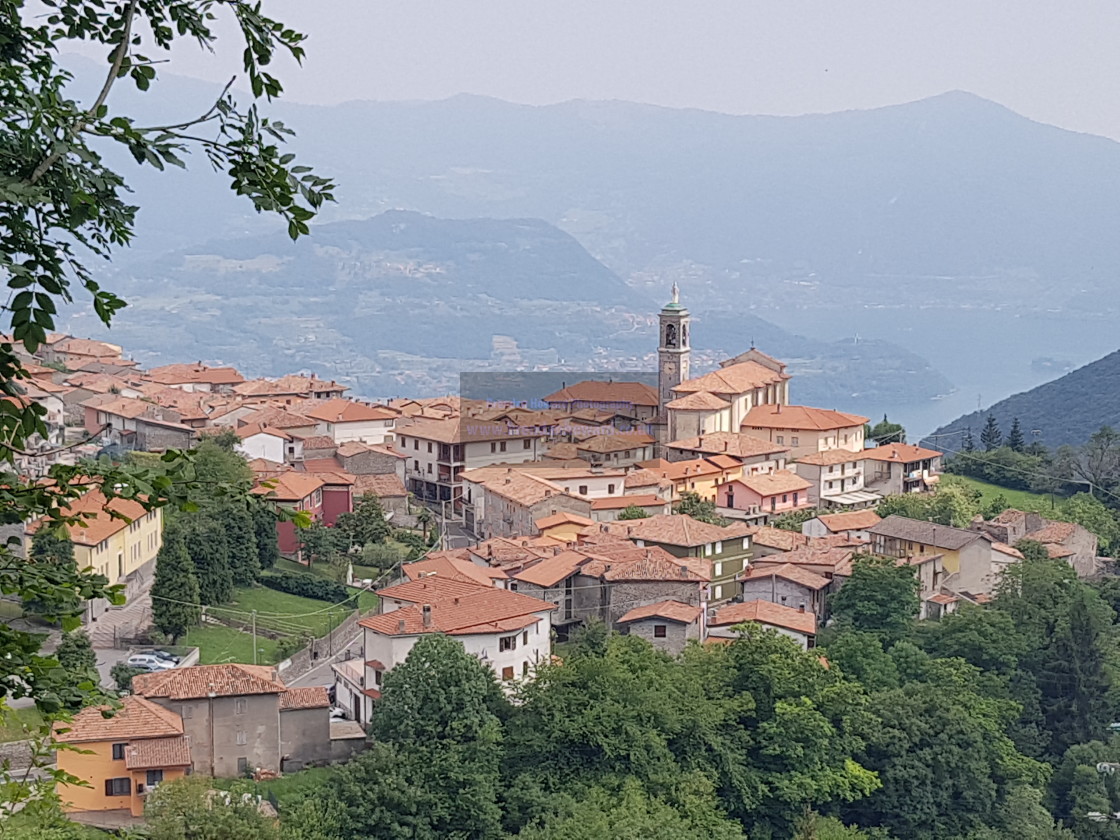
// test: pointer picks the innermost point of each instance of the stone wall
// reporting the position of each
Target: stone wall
(626, 595)
(321, 649)
(676, 634)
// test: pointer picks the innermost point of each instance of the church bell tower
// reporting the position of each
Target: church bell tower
(673, 351)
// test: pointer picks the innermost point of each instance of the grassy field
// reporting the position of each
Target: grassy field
(1015, 498)
(289, 614)
(227, 644)
(15, 723)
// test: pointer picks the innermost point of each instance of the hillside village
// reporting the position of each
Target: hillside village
(661, 513)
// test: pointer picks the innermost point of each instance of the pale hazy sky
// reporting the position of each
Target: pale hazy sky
(1054, 62)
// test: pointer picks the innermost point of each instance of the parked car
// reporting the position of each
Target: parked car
(149, 662)
(162, 654)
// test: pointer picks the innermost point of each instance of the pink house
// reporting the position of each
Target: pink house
(776, 492)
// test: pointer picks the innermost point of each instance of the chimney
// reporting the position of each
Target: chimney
(725, 446)
(427, 612)
(400, 626)
(801, 608)
(778, 410)
(684, 569)
(456, 600)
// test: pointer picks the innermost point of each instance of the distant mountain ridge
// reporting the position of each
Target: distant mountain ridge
(1065, 411)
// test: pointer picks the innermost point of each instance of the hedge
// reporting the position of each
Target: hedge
(309, 587)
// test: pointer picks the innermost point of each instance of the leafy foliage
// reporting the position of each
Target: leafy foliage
(887, 432)
(880, 597)
(699, 509)
(185, 809)
(631, 512)
(308, 586)
(175, 590)
(366, 523)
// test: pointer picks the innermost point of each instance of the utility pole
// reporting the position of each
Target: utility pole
(254, 637)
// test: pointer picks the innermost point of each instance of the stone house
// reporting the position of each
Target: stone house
(753, 453)
(667, 625)
(503, 504)
(238, 718)
(1063, 540)
(634, 399)
(797, 624)
(789, 585)
(850, 523)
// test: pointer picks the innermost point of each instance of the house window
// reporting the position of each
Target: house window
(118, 752)
(429, 469)
(795, 499)
(525, 638)
(154, 777)
(242, 766)
(795, 441)
(831, 484)
(118, 787)
(719, 592)
(746, 542)
(377, 678)
(610, 488)
(242, 739)
(493, 446)
(507, 643)
(785, 497)
(507, 673)
(526, 444)
(239, 706)
(583, 489)
(416, 465)
(429, 447)
(718, 570)
(707, 549)
(719, 547)
(660, 631)
(781, 439)
(416, 444)
(502, 446)
(404, 441)
(831, 469)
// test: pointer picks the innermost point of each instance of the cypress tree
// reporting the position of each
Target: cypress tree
(209, 550)
(175, 593)
(241, 538)
(268, 545)
(75, 653)
(967, 443)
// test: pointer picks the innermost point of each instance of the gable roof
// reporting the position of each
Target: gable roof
(338, 410)
(831, 457)
(765, 612)
(251, 429)
(290, 486)
(593, 390)
(614, 443)
(97, 523)
(670, 610)
(643, 477)
(801, 417)
(551, 570)
(927, 533)
(899, 453)
(196, 682)
(787, 571)
(154, 753)
(563, 518)
(642, 500)
(305, 697)
(677, 529)
(769, 484)
(447, 564)
(483, 610)
(136, 718)
(779, 538)
(853, 520)
(388, 486)
(181, 374)
(734, 379)
(320, 442)
(427, 589)
(698, 401)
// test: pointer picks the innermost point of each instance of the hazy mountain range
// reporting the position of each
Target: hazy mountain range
(964, 234)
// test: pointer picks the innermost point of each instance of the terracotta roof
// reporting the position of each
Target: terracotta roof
(670, 610)
(318, 465)
(199, 681)
(522, 488)
(500, 551)
(551, 570)
(614, 443)
(262, 467)
(779, 538)
(724, 462)
(427, 589)
(383, 486)
(697, 401)
(1009, 517)
(642, 478)
(854, 520)
(799, 417)
(456, 430)
(154, 753)
(483, 610)
(553, 470)
(764, 612)
(927, 533)
(1004, 548)
(734, 379)
(642, 500)
(899, 453)
(684, 470)
(251, 429)
(97, 522)
(831, 457)
(770, 484)
(790, 572)
(339, 410)
(355, 447)
(737, 445)
(591, 390)
(306, 697)
(1057, 551)
(1053, 532)
(837, 559)
(677, 529)
(290, 486)
(627, 562)
(88, 347)
(563, 518)
(277, 418)
(180, 374)
(563, 451)
(319, 442)
(941, 598)
(137, 718)
(446, 564)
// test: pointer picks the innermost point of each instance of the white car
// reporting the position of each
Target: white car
(149, 662)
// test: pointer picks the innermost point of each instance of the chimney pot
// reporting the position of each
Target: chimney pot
(426, 610)
(801, 608)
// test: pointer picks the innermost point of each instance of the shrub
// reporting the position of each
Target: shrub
(308, 587)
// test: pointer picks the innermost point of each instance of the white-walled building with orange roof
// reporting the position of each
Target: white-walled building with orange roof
(805, 429)
(347, 420)
(896, 468)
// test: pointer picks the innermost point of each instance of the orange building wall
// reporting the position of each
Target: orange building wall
(94, 768)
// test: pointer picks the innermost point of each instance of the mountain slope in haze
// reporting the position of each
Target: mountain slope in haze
(1065, 411)
(402, 303)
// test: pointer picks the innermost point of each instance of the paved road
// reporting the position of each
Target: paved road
(322, 674)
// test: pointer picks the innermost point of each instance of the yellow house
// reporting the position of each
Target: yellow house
(563, 527)
(122, 758)
(702, 476)
(123, 550)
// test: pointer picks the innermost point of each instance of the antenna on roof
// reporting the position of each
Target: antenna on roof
(752, 342)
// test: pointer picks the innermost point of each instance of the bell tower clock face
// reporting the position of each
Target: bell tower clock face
(670, 368)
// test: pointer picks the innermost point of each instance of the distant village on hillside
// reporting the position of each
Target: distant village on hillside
(661, 512)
